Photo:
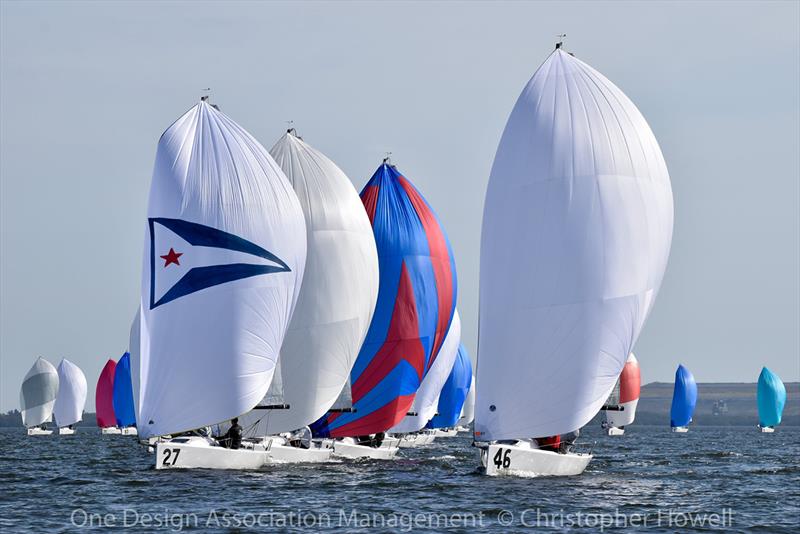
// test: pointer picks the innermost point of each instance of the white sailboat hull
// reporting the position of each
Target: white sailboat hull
(523, 460)
(280, 452)
(614, 431)
(348, 448)
(445, 432)
(36, 431)
(199, 453)
(680, 429)
(64, 431)
(110, 430)
(129, 431)
(767, 429)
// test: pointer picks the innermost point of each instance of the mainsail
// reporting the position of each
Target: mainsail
(576, 233)
(104, 396)
(224, 254)
(454, 393)
(124, 410)
(622, 411)
(38, 393)
(416, 301)
(337, 298)
(427, 398)
(771, 396)
(684, 398)
(71, 397)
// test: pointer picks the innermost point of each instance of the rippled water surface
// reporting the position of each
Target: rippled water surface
(650, 478)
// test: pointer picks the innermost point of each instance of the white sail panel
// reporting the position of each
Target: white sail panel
(71, 398)
(468, 411)
(223, 259)
(38, 392)
(427, 398)
(576, 233)
(340, 287)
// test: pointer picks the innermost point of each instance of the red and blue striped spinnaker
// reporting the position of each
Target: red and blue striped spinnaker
(416, 301)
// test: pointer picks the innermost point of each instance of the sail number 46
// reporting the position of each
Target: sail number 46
(502, 459)
(170, 454)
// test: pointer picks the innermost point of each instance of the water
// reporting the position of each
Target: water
(659, 479)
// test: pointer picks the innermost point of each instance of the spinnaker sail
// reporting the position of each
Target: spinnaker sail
(224, 254)
(576, 233)
(684, 398)
(416, 301)
(623, 410)
(71, 398)
(454, 393)
(124, 410)
(38, 392)
(771, 396)
(104, 396)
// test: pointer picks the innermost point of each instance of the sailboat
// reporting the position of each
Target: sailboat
(224, 253)
(452, 396)
(411, 429)
(771, 396)
(124, 411)
(71, 398)
(416, 302)
(104, 400)
(37, 395)
(468, 411)
(620, 408)
(576, 233)
(684, 399)
(333, 312)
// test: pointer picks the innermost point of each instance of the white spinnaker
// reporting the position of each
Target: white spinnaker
(71, 398)
(468, 411)
(337, 299)
(38, 392)
(208, 354)
(576, 233)
(427, 398)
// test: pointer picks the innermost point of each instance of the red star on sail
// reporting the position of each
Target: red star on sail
(171, 257)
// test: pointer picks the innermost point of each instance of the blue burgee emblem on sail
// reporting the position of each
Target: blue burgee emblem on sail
(197, 257)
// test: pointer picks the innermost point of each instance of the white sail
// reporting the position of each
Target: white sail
(71, 398)
(223, 259)
(38, 392)
(468, 410)
(427, 398)
(576, 233)
(337, 299)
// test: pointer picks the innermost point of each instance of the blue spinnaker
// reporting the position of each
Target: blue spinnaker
(123, 393)
(684, 398)
(454, 392)
(771, 395)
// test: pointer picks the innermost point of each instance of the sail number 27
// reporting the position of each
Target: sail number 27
(170, 454)
(502, 459)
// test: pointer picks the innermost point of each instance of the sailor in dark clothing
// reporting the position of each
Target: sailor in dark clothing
(233, 437)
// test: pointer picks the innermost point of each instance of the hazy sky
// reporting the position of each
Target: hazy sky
(87, 88)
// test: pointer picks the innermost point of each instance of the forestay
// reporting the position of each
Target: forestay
(427, 398)
(38, 393)
(223, 259)
(454, 392)
(104, 396)
(576, 232)
(71, 397)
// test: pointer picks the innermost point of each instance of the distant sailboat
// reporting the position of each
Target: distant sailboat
(224, 254)
(620, 408)
(124, 410)
(771, 396)
(416, 301)
(684, 399)
(71, 398)
(453, 396)
(576, 234)
(333, 312)
(104, 400)
(37, 396)
(468, 411)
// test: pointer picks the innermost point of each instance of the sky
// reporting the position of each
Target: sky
(87, 88)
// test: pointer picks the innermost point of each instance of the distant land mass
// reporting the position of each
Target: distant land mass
(718, 404)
